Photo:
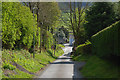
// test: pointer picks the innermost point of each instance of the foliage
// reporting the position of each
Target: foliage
(116, 7)
(20, 74)
(0, 20)
(49, 40)
(96, 67)
(98, 17)
(83, 48)
(60, 34)
(65, 31)
(64, 20)
(81, 36)
(48, 13)
(18, 25)
(59, 46)
(77, 19)
(81, 57)
(7, 65)
(58, 52)
(55, 53)
(47, 16)
(106, 42)
(24, 58)
(79, 32)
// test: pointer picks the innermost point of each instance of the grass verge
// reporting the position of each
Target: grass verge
(25, 62)
(96, 67)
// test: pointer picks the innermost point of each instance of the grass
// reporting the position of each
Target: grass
(24, 58)
(96, 67)
(0, 66)
(80, 58)
(20, 74)
(60, 45)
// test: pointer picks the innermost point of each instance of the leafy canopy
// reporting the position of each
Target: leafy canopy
(99, 16)
(18, 25)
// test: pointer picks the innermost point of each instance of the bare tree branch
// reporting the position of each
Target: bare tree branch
(75, 14)
(71, 19)
(79, 10)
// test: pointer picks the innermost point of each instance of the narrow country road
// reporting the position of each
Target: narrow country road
(63, 67)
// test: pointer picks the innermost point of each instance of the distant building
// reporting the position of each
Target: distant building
(71, 39)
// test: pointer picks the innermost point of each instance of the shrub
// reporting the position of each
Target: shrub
(83, 48)
(105, 42)
(98, 17)
(9, 66)
(18, 25)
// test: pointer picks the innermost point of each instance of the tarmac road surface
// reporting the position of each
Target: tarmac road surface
(63, 67)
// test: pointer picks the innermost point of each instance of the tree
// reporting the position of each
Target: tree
(60, 36)
(47, 14)
(65, 31)
(77, 15)
(18, 25)
(116, 7)
(99, 16)
(64, 20)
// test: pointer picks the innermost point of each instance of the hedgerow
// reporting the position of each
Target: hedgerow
(106, 41)
(83, 48)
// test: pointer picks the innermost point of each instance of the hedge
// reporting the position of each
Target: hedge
(106, 41)
(83, 48)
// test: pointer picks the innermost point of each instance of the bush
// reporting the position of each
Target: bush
(83, 48)
(18, 25)
(98, 16)
(9, 66)
(105, 42)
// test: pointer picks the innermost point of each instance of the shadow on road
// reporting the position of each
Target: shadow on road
(76, 66)
(51, 54)
(62, 63)
(64, 58)
(67, 55)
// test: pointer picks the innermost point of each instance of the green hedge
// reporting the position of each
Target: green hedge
(106, 42)
(83, 48)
